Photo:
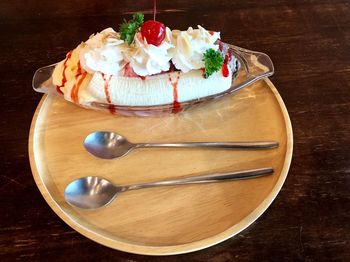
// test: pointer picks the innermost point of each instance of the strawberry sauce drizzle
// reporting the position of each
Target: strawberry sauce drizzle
(220, 46)
(224, 70)
(228, 57)
(108, 97)
(176, 104)
(64, 77)
(75, 89)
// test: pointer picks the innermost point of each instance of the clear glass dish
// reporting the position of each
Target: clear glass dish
(251, 67)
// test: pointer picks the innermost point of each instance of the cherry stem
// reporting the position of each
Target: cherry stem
(154, 9)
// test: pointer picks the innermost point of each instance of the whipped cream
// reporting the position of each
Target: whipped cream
(103, 52)
(190, 46)
(147, 59)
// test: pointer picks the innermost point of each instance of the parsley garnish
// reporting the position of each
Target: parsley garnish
(212, 61)
(128, 29)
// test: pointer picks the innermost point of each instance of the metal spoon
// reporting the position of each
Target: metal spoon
(93, 192)
(109, 145)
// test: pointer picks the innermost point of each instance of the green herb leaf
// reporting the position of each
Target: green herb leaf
(212, 61)
(128, 29)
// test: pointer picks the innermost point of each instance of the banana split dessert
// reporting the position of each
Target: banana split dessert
(146, 64)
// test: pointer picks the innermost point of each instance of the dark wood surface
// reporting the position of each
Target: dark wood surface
(309, 44)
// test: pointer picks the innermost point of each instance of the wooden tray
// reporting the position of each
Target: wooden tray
(169, 220)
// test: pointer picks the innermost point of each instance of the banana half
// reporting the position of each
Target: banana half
(83, 88)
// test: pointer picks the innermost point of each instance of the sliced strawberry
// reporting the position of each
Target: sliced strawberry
(129, 72)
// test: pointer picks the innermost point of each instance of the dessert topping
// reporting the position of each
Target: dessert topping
(103, 52)
(153, 32)
(128, 29)
(190, 47)
(174, 83)
(225, 71)
(149, 48)
(64, 77)
(146, 59)
(213, 62)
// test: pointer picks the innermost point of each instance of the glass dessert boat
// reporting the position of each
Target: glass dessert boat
(251, 67)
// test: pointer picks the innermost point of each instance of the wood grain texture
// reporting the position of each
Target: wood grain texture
(308, 41)
(168, 220)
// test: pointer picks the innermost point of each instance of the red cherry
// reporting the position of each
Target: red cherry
(153, 31)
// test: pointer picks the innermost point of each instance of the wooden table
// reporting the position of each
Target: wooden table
(309, 44)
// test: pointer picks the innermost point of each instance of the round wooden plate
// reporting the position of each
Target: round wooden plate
(169, 220)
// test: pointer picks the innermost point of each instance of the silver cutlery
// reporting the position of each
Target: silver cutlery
(109, 145)
(93, 192)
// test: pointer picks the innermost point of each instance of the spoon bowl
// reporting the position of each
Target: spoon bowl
(90, 192)
(107, 145)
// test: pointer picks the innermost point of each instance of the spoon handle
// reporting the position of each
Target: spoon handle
(227, 145)
(218, 177)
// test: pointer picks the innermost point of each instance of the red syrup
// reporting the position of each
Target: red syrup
(64, 77)
(228, 57)
(176, 104)
(79, 78)
(108, 97)
(172, 67)
(220, 46)
(224, 70)
(79, 69)
(129, 72)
